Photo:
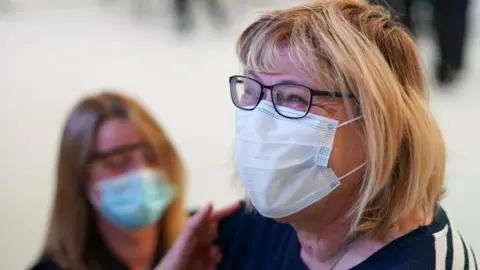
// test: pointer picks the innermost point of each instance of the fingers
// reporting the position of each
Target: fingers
(196, 223)
(209, 235)
(210, 229)
(202, 227)
(203, 215)
(211, 257)
(225, 212)
(195, 242)
(215, 255)
(200, 218)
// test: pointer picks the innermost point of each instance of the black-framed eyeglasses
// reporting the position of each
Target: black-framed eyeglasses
(290, 100)
(121, 158)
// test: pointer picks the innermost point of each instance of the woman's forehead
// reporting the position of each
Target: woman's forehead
(292, 75)
(116, 133)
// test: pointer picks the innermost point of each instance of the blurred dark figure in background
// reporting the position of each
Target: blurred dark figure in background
(183, 10)
(450, 19)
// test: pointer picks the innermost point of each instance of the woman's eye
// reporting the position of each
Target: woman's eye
(296, 99)
(150, 157)
(251, 92)
(116, 162)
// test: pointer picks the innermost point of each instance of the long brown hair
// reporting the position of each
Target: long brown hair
(72, 220)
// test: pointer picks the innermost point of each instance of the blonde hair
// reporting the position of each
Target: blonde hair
(355, 47)
(72, 222)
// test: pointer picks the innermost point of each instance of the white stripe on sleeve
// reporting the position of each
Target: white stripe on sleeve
(458, 250)
(441, 248)
(471, 260)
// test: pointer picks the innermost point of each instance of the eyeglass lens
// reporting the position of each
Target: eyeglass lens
(289, 100)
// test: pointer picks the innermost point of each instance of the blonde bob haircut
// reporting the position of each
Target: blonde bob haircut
(72, 222)
(355, 47)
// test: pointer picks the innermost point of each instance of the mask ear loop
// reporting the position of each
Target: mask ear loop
(352, 171)
(361, 165)
(350, 121)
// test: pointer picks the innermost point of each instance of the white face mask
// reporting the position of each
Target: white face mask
(282, 163)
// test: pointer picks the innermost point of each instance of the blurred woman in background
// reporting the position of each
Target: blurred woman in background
(119, 195)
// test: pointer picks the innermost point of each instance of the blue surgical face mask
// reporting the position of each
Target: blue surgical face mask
(135, 199)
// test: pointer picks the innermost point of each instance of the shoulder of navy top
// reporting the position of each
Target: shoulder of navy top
(251, 241)
(46, 263)
(108, 260)
(99, 256)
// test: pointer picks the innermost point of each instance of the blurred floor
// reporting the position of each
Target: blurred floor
(49, 58)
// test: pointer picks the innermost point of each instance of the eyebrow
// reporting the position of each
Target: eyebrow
(253, 74)
(256, 77)
(118, 150)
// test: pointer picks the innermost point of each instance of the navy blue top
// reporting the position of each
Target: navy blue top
(99, 257)
(251, 241)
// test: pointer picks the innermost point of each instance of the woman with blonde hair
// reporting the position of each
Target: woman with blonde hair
(119, 195)
(337, 147)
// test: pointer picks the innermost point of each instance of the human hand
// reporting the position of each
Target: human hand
(194, 249)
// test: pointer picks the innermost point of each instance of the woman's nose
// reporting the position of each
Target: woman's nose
(267, 95)
(140, 162)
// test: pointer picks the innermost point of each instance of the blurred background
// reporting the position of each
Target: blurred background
(176, 57)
